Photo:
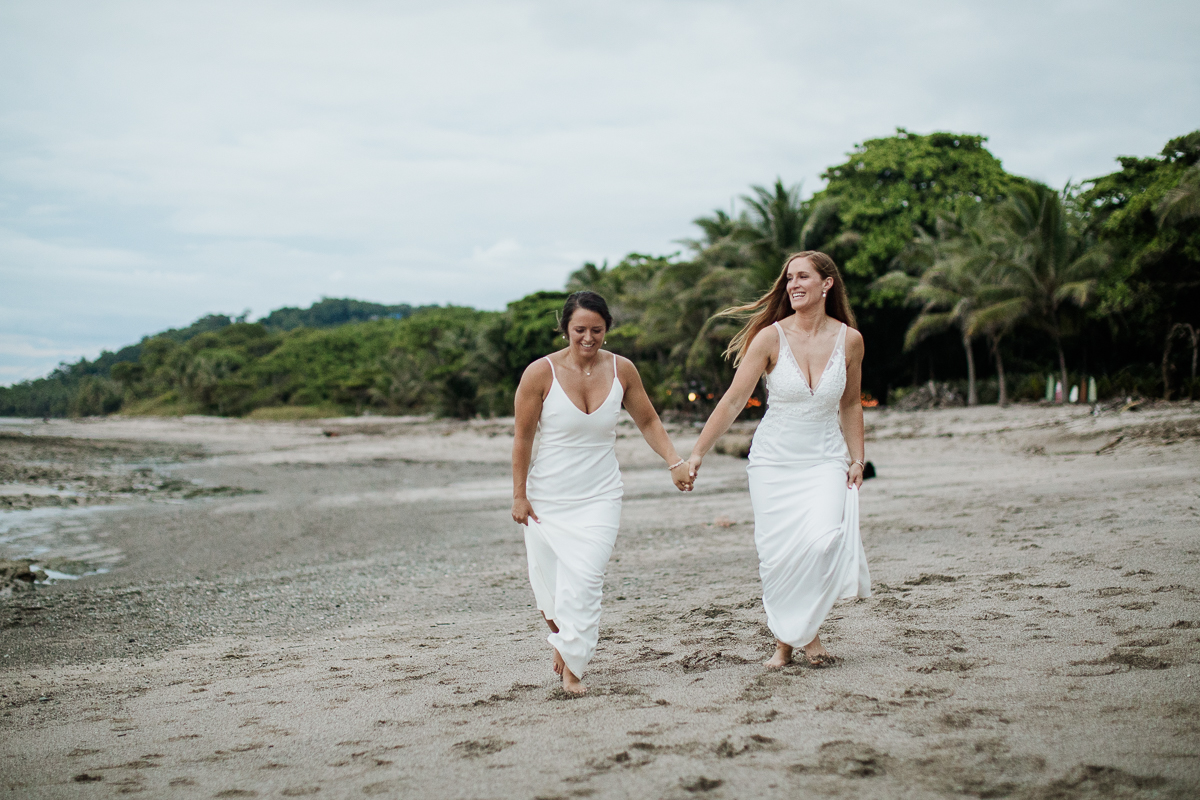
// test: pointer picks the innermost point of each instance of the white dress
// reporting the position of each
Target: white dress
(575, 489)
(810, 552)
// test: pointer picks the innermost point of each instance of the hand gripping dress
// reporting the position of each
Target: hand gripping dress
(575, 489)
(810, 553)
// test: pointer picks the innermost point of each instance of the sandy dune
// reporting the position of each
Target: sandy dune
(340, 608)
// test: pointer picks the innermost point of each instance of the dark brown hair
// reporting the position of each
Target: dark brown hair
(774, 305)
(585, 300)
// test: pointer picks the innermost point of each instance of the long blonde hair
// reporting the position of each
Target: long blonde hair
(774, 305)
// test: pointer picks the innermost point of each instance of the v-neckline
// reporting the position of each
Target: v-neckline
(812, 390)
(561, 388)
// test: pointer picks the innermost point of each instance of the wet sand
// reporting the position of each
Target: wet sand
(340, 608)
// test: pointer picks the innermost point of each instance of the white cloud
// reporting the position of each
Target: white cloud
(160, 161)
(32, 348)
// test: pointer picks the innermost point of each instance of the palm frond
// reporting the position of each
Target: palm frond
(925, 325)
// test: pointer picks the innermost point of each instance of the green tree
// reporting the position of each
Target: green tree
(958, 277)
(884, 192)
(1050, 262)
(1145, 213)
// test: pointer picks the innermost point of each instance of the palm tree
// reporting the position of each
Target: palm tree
(1048, 263)
(1182, 202)
(999, 309)
(952, 273)
(778, 222)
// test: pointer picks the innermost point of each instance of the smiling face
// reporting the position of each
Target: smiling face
(586, 330)
(805, 285)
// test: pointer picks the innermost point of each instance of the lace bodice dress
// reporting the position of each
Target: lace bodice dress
(805, 519)
(801, 423)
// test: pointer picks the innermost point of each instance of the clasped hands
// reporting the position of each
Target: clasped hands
(684, 475)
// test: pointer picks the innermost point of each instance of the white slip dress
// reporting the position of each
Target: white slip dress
(810, 552)
(575, 488)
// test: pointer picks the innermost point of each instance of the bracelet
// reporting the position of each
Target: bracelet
(678, 463)
(862, 464)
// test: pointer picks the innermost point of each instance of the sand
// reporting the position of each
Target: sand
(340, 608)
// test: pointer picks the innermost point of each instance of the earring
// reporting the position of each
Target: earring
(824, 293)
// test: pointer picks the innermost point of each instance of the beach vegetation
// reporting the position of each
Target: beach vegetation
(942, 250)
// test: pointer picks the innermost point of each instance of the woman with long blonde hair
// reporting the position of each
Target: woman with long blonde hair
(807, 457)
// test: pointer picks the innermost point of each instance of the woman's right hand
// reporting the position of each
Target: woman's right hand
(681, 476)
(522, 511)
(693, 465)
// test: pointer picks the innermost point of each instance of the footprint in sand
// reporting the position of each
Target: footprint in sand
(700, 784)
(949, 665)
(847, 759)
(759, 717)
(733, 747)
(1090, 780)
(481, 747)
(925, 642)
(701, 661)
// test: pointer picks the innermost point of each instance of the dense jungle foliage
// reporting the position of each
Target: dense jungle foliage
(957, 270)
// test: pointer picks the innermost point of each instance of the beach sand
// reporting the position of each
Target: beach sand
(340, 608)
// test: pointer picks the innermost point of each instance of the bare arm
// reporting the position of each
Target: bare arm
(535, 382)
(851, 408)
(638, 404)
(759, 359)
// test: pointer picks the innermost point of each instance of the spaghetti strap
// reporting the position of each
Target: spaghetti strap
(841, 340)
(553, 374)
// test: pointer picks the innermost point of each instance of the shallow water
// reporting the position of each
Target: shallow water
(52, 535)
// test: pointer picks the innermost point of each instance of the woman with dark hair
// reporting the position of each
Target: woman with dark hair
(570, 501)
(807, 457)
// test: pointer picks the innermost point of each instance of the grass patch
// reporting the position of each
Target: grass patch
(290, 413)
(165, 405)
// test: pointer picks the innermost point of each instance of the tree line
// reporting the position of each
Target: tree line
(958, 271)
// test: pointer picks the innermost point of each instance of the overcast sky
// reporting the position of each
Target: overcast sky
(160, 161)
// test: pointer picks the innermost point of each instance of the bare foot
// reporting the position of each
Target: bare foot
(558, 663)
(782, 657)
(571, 684)
(817, 655)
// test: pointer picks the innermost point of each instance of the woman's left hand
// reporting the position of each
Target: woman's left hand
(854, 476)
(682, 477)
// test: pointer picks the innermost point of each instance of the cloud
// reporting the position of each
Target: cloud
(161, 161)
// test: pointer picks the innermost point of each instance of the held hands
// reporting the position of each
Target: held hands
(693, 465)
(522, 511)
(682, 477)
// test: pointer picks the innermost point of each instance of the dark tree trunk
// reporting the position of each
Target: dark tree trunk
(972, 395)
(994, 342)
(1056, 333)
(1166, 362)
(1062, 367)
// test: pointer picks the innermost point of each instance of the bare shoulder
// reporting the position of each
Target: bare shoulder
(854, 343)
(768, 338)
(764, 346)
(626, 370)
(537, 375)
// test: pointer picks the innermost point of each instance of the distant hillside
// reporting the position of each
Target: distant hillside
(59, 393)
(331, 312)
